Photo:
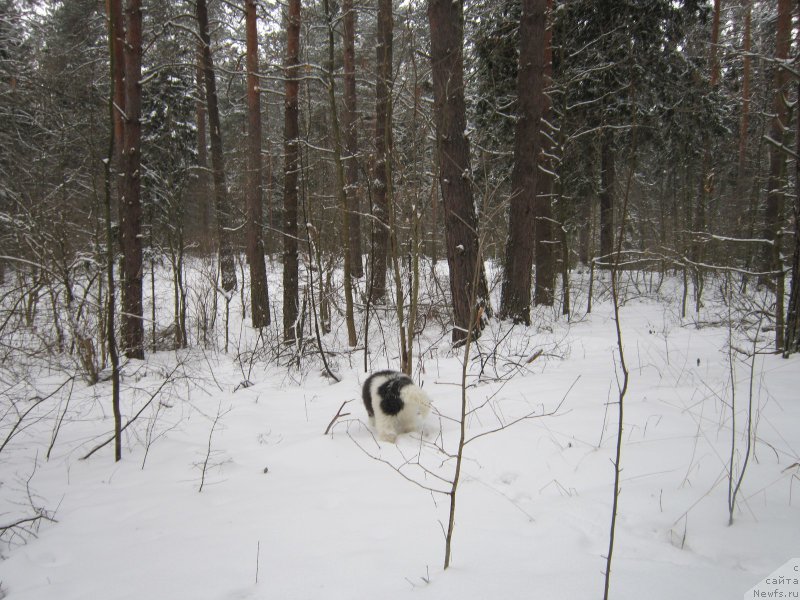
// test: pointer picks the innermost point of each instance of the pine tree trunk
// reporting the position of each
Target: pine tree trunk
(341, 181)
(291, 134)
(117, 103)
(524, 207)
(777, 159)
(349, 125)
(227, 264)
(607, 179)
(461, 224)
(383, 149)
(117, 47)
(544, 239)
(259, 298)
(715, 64)
(792, 339)
(130, 206)
(706, 181)
(744, 124)
(203, 203)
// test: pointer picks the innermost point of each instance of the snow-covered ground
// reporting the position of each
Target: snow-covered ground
(287, 512)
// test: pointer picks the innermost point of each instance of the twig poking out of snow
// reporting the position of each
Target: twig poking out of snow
(207, 459)
(339, 414)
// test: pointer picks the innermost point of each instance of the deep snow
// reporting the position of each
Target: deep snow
(289, 513)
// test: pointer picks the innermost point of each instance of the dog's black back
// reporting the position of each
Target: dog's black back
(389, 392)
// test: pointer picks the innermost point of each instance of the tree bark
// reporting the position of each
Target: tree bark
(116, 104)
(349, 122)
(446, 20)
(744, 123)
(383, 150)
(607, 179)
(117, 47)
(203, 203)
(341, 181)
(525, 176)
(705, 185)
(777, 159)
(227, 265)
(291, 134)
(259, 298)
(130, 206)
(544, 239)
(715, 65)
(792, 338)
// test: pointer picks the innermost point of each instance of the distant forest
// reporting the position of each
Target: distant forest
(352, 146)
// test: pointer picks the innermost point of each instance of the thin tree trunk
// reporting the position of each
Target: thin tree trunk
(227, 264)
(383, 149)
(516, 291)
(291, 145)
(259, 298)
(349, 123)
(130, 206)
(446, 19)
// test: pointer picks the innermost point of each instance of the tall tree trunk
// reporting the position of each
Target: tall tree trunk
(446, 20)
(341, 183)
(117, 48)
(227, 264)
(744, 123)
(116, 104)
(291, 146)
(543, 233)
(777, 159)
(705, 185)
(259, 298)
(516, 290)
(715, 65)
(792, 339)
(607, 182)
(130, 206)
(203, 204)
(383, 150)
(349, 118)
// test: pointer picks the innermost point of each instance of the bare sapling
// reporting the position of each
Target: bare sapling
(18, 425)
(60, 420)
(206, 465)
(118, 428)
(321, 317)
(623, 382)
(462, 439)
(311, 238)
(19, 530)
(735, 479)
(406, 322)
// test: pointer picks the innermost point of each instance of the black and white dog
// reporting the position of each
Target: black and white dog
(394, 404)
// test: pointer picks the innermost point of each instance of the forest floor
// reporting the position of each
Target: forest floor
(289, 512)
